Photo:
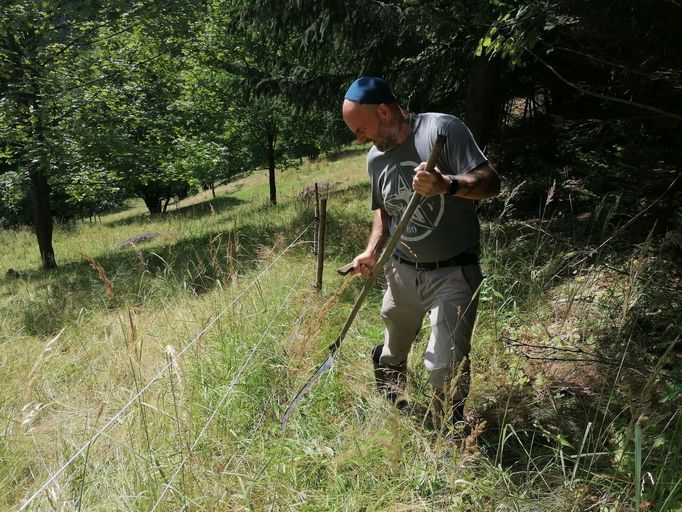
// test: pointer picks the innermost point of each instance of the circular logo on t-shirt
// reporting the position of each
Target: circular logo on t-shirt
(428, 214)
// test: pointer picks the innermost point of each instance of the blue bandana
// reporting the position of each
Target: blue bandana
(370, 89)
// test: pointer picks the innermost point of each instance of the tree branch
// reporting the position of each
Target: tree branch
(603, 61)
(602, 96)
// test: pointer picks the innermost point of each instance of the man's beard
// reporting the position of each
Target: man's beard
(389, 141)
(389, 138)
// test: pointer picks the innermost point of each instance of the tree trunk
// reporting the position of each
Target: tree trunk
(34, 149)
(483, 106)
(271, 166)
(40, 188)
(42, 215)
(152, 200)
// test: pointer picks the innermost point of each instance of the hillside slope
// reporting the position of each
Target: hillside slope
(154, 376)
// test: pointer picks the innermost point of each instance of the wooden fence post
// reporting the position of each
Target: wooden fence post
(320, 242)
(317, 219)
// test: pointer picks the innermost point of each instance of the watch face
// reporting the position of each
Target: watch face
(454, 185)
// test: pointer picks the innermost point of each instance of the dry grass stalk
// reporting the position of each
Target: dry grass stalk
(470, 449)
(213, 246)
(550, 194)
(314, 327)
(29, 413)
(49, 347)
(230, 251)
(58, 504)
(133, 347)
(280, 241)
(101, 274)
(133, 326)
(174, 365)
(508, 207)
(229, 258)
(140, 257)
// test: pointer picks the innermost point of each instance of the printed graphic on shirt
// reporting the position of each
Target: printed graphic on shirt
(426, 217)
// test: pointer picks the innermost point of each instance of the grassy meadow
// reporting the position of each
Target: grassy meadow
(154, 377)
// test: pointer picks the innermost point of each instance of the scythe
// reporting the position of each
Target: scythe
(386, 253)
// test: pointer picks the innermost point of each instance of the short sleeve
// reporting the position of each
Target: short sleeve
(377, 200)
(462, 152)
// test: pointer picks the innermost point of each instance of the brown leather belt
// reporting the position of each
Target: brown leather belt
(465, 258)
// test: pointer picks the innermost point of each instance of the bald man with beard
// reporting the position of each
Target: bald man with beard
(435, 268)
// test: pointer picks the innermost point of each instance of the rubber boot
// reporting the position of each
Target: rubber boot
(391, 380)
(443, 409)
(458, 411)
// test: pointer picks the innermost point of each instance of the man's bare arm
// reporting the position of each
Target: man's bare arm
(480, 183)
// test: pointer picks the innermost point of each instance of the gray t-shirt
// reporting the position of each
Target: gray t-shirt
(442, 226)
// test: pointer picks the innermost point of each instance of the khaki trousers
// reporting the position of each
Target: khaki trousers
(450, 297)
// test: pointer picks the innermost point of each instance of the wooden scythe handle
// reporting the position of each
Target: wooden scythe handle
(407, 214)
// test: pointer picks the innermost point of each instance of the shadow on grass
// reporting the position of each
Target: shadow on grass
(347, 152)
(194, 264)
(204, 208)
(571, 404)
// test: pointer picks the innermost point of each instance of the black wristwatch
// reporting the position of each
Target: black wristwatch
(454, 185)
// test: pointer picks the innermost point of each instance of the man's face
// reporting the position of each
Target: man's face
(371, 123)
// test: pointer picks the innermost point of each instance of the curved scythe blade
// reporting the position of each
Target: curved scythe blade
(311, 382)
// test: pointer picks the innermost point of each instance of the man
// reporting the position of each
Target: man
(435, 267)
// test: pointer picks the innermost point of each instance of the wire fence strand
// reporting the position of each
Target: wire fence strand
(118, 414)
(230, 387)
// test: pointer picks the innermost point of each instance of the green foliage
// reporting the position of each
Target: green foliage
(10, 195)
(515, 30)
(578, 337)
(124, 99)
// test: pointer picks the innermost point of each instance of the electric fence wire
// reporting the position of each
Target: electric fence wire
(116, 416)
(230, 387)
(258, 423)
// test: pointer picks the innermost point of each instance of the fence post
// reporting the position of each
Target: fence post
(317, 219)
(320, 242)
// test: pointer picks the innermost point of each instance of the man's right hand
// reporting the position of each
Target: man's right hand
(364, 263)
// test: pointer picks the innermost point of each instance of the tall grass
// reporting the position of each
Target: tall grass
(571, 409)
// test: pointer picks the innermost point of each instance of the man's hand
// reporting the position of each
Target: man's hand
(364, 263)
(429, 184)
